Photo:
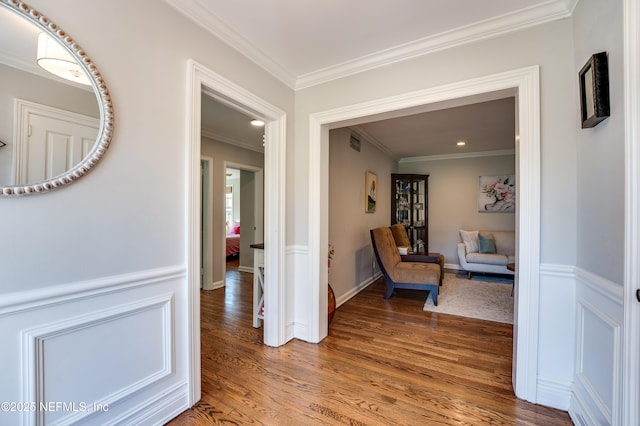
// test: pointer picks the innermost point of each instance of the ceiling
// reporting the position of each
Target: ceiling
(304, 43)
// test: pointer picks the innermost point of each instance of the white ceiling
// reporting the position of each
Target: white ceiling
(303, 43)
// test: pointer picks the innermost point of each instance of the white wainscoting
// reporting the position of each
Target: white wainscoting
(104, 351)
(556, 335)
(597, 388)
(297, 275)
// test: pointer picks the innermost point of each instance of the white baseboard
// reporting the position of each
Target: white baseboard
(351, 293)
(213, 285)
(453, 266)
(157, 411)
(248, 269)
(554, 393)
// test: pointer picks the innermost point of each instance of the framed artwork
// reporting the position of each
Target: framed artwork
(497, 194)
(371, 191)
(594, 90)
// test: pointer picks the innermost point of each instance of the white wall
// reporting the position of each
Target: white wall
(354, 266)
(597, 398)
(453, 196)
(107, 253)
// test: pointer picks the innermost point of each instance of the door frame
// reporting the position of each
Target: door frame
(258, 211)
(207, 229)
(631, 339)
(526, 83)
(201, 80)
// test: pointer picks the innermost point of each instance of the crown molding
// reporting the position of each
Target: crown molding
(500, 25)
(548, 11)
(366, 137)
(241, 144)
(496, 153)
(200, 14)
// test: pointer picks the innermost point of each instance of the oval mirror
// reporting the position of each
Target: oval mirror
(56, 117)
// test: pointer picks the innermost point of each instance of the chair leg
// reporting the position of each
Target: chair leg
(434, 294)
(389, 291)
(468, 275)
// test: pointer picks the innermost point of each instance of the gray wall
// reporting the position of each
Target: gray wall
(453, 194)
(600, 152)
(550, 46)
(129, 213)
(247, 217)
(354, 264)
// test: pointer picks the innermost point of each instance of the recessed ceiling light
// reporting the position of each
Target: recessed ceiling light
(461, 143)
(257, 123)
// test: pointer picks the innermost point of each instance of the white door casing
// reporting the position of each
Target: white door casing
(527, 85)
(201, 79)
(49, 141)
(258, 217)
(631, 339)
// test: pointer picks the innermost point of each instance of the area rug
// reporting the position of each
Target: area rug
(483, 298)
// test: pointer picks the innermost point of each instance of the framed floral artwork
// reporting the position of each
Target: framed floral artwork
(497, 194)
(371, 192)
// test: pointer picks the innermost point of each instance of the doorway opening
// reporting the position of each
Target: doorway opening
(202, 81)
(525, 84)
(244, 214)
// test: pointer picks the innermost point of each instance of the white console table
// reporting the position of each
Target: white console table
(258, 284)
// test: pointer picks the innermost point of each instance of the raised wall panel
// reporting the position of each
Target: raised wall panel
(121, 350)
(114, 344)
(597, 387)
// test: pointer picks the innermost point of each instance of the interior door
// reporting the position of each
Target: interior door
(50, 142)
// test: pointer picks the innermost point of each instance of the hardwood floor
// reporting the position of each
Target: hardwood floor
(385, 362)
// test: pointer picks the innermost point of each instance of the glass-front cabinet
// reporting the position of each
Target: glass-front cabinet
(409, 206)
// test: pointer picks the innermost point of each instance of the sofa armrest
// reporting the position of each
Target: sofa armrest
(462, 255)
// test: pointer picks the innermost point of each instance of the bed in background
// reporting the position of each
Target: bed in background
(233, 240)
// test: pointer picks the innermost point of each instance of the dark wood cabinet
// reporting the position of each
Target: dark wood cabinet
(409, 207)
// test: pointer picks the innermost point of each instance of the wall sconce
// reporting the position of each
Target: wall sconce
(54, 58)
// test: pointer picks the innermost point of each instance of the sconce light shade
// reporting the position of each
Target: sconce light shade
(53, 58)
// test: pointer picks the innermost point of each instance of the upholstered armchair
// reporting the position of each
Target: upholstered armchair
(399, 274)
(402, 240)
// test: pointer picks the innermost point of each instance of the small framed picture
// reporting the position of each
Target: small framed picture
(371, 192)
(594, 90)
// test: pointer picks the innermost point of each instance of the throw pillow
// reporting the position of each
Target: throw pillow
(470, 240)
(486, 243)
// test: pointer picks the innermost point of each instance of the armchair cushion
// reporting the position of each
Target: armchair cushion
(400, 235)
(399, 274)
